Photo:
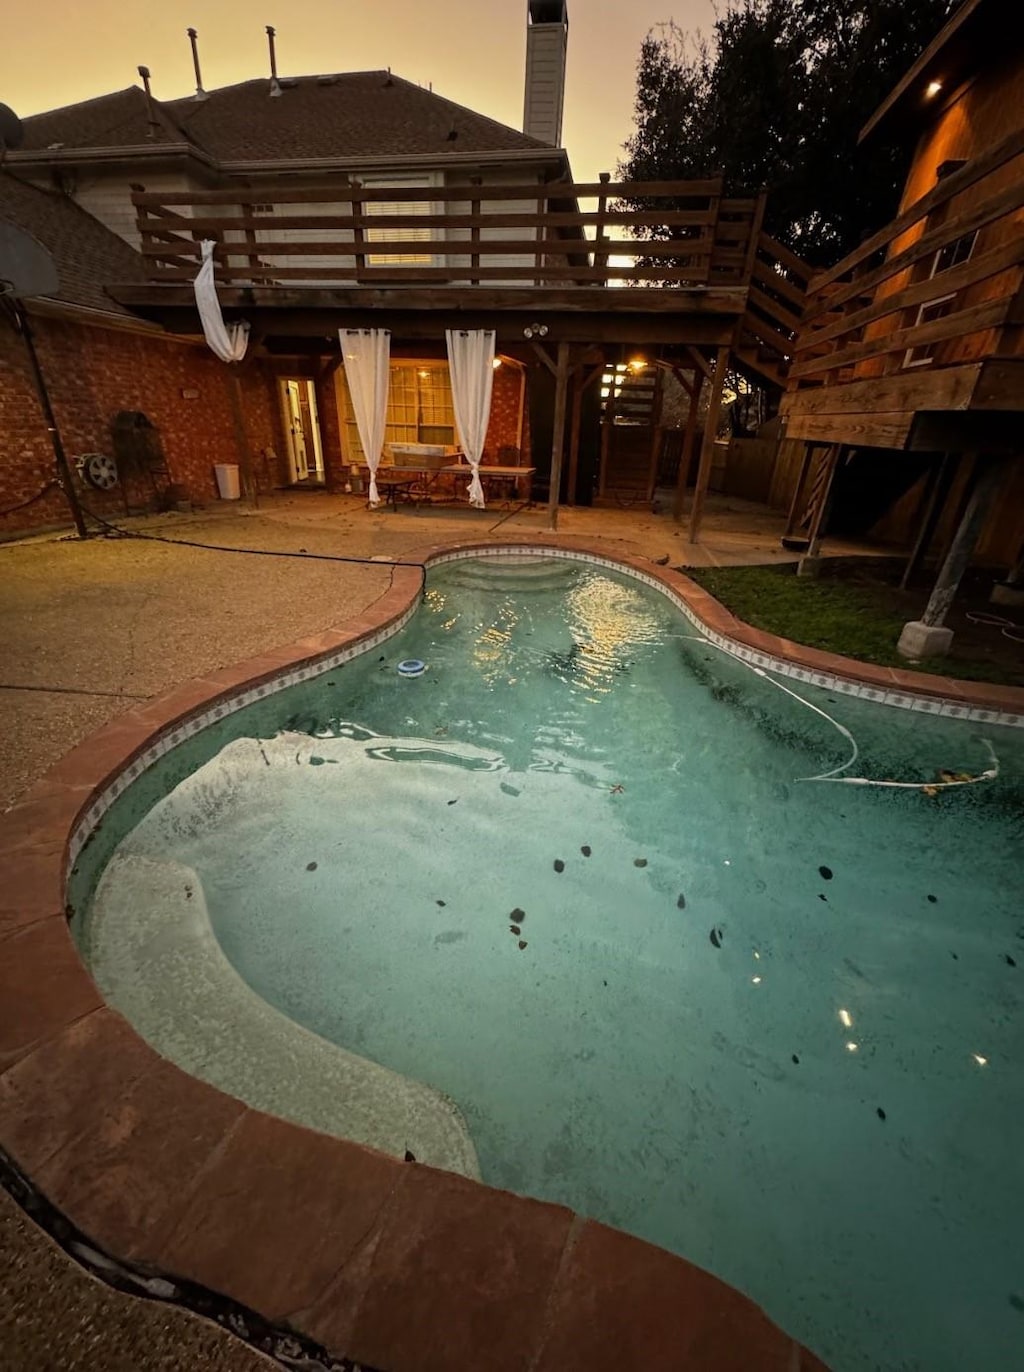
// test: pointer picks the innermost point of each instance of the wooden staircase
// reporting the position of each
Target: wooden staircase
(629, 417)
(775, 297)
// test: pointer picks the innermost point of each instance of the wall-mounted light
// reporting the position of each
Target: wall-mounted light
(637, 364)
(535, 331)
(496, 363)
(933, 89)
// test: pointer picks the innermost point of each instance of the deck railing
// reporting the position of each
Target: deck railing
(554, 234)
(930, 289)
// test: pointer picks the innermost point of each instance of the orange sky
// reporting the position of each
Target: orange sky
(473, 51)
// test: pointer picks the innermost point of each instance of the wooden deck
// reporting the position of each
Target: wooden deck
(670, 262)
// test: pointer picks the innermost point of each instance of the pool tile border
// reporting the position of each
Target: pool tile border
(412, 1269)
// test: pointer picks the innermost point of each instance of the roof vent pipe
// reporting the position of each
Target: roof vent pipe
(192, 37)
(275, 88)
(151, 112)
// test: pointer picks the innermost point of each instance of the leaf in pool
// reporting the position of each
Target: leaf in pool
(454, 802)
(409, 1156)
(639, 862)
(825, 873)
(310, 866)
(517, 916)
(796, 1059)
(933, 899)
(442, 903)
(822, 896)
(681, 902)
(716, 937)
(586, 850)
(1010, 961)
(522, 944)
(880, 1113)
(509, 790)
(559, 865)
(515, 929)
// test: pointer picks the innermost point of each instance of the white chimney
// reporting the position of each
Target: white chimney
(547, 34)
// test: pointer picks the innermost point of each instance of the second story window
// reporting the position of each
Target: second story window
(409, 233)
(947, 257)
(952, 254)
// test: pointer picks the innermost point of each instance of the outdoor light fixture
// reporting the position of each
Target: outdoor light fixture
(535, 331)
(637, 364)
(933, 89)
(496, 363)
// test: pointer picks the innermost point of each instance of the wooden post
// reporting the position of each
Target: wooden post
(987, 482)
(574, 433)
(794, 504)
(809, 564)
(601, 258)
(937, 487)
(656, 434)
(474, 235)
(707, 451)
(358, 233)
(539, 233)
(242, 438)
(607, 428)
(558, 433)
(686, 456)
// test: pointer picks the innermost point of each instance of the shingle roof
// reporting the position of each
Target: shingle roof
(353, 114)
(86, 253)
(122, 119)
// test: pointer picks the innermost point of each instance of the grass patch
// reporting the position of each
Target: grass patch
(858, 612)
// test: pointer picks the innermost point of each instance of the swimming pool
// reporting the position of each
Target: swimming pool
(571, 878)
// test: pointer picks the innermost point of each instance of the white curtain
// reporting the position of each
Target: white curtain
(471, 364)
(367, 353)
(228, 342)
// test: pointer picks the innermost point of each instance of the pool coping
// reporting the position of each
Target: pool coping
(396, 1265)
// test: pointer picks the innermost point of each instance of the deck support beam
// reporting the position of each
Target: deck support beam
(558, 432)
(936, 492)
(689, 435)
(707, 451)
(928, 636)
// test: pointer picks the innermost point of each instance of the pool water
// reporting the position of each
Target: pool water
(571, 877)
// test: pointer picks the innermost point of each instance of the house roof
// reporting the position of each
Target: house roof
(121, 119)
(86, 254)
(974, 36)
(352, 114)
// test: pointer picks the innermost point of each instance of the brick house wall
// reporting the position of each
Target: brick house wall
(503, 429)
(92, 373)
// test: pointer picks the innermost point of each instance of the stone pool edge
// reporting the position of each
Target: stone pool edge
(394, 1264)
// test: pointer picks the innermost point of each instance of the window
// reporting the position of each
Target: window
(947, 257)
(952, 254)
(927, 314)
(409, 234)
(419, 407)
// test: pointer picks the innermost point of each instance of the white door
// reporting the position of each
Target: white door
(298, 456)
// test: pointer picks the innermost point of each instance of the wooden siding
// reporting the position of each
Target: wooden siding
(870, 355)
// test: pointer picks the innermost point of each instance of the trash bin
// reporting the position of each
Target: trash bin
(227, 480)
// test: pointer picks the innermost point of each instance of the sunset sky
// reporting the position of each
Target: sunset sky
(59, 51)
